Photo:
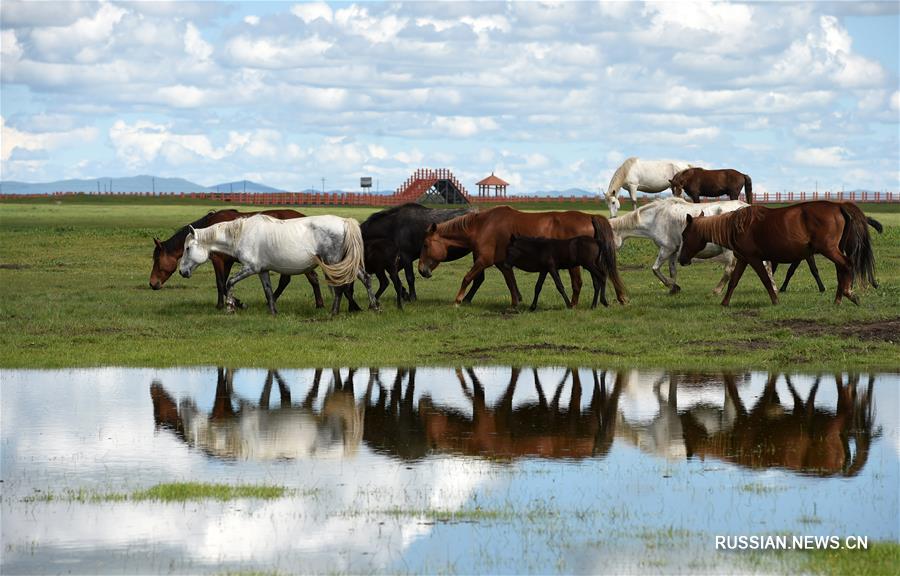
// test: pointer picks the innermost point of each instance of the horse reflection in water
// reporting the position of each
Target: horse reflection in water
(806, 439)
(536, 429)
(258, 432)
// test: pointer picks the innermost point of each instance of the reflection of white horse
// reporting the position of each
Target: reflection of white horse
(641, 175)
(256, 432)
(663, 221)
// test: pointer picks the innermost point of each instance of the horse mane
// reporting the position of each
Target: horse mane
(177, 239)
(393, 210)
(632, 219)
(460, 224)
(723, 228)
(619, 176)
(231, 230)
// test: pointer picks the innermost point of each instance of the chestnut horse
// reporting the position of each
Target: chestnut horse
(487, 235)
(838, 231)
(167, 253)
(697, 182)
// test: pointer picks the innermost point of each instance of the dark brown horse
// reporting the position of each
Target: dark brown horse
(167, 253)
(596, 254)
(487, 235)
(807, 439)
(838, 231)
(538, 429)
(697, 182)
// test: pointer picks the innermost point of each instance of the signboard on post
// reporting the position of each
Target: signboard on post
(365, 182)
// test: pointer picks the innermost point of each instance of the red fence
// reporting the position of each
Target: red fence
(360, 199)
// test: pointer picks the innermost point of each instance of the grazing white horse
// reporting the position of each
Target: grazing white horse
(641, 175)
(296, 246)
(663, 221)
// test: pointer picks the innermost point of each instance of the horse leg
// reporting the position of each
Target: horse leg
(595, 280)
(267, 288)
(575, 278)
(537, 290)
(398, 286)
(338, 292)
(510, 278)
(476, 284)
(382, 283)
(736, 274)
(230, 301)
(222, 269)
(407, 266)
(811, 262)
(787, 277)
(283, 282)
(726, 273)
(632, 191)
(673, 273)
(367, 282)
(477, 267)
(763, 274)
(313, 279)
(554, 273)
(844, 274)
(661, 257)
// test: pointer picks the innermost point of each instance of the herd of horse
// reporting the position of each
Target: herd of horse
(389, 242)
(394, 418)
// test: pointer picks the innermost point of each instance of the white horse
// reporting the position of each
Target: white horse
(663, 221)
(641, 175)
(263, 244)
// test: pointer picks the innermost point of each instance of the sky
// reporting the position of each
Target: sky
(547, 95)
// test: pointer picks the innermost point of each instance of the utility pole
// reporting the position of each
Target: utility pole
(323, 185)
(245, 186)
(154, 185)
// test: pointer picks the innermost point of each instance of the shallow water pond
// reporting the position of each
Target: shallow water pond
(485, 469)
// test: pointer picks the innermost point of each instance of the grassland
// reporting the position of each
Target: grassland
(74, 281)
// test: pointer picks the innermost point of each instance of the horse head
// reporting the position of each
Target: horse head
(691, 241)
(164, 264)
(434, 251)
(194, 254)
(612, 201)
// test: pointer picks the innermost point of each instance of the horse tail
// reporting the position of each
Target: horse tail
(875, 224)
(857, 245)
(748, 188)
(618, 177)
(603, 234)
(344, 272)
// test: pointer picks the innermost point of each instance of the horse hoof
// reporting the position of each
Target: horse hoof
(675, 289)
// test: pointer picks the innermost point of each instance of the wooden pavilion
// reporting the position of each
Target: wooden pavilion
(492, 182)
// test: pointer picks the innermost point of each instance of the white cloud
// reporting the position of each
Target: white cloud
(309, 12)
(144, 141)
(12, 139)
(829, 157)
(356, 20)
(278, 52)
(251, 20)
(895, 101)
(10, 49)
(80, 37)
(195, 45)
(463, 126)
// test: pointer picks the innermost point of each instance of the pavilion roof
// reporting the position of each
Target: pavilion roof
(492, 181)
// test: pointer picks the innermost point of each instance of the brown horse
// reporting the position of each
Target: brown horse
(487, 235)
(838, 231)
(167, 253)
(697, 182)
(807, 439)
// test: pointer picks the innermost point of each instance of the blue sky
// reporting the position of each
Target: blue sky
(549, 95)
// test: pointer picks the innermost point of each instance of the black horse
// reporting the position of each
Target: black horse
(406, 226)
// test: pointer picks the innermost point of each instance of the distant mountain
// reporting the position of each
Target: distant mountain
(567, 192)
(243, 186)
(127, 185)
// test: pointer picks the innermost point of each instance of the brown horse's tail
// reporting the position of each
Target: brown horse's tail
(603, 234)
(748, 189)
(857, 246)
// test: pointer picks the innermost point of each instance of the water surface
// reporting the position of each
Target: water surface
(486, 469)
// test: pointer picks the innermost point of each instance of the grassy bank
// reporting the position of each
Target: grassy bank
(74, 279)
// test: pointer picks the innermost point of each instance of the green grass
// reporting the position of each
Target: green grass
(880, 558)
(168, 492)
(74, 274)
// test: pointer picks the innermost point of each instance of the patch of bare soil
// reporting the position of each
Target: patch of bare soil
(883, 330)
(488, 351)
(14, 266)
